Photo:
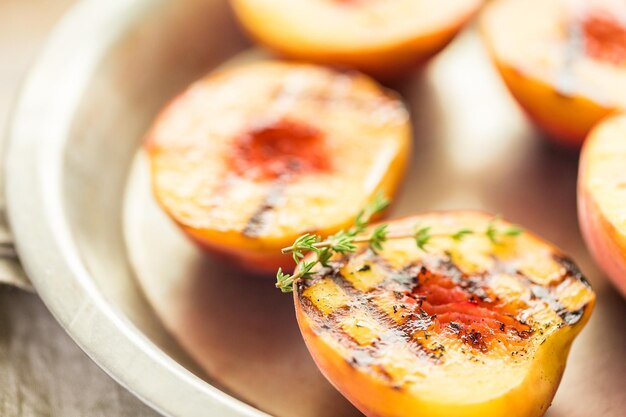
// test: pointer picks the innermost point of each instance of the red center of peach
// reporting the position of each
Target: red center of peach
(467, 309)
(605, 37)
(278, 150)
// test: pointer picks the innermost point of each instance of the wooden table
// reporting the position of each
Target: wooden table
(42, 371)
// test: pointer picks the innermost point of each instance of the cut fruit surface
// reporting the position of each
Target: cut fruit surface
(602, 197)
(249, 158)
(381, 37)
(469, 327)
(564, 61)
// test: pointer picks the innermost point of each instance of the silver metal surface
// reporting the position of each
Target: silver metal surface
(171, 323)
(105, 70)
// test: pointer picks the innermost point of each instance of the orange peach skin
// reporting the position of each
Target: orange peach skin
(605, 240)
(381, 58)
(565, 119)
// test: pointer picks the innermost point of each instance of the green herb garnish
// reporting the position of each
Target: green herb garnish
(346, 241)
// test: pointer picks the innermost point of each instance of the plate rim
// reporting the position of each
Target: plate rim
(33, 162)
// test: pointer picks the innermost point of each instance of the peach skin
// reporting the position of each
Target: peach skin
(602, 197)
(379, 37)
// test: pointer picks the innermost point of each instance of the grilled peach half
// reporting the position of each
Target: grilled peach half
(468, 328)
(380, 37)
(247, 159)
(602, 197)
(564, 62)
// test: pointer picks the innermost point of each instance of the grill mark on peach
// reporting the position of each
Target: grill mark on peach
(291, 90)
(360, 356)
(449, 296)
(418, 322)
(331, 322)
(565, 80)
(415, 329)
(404, 332)
(391, 332)
(547, 293)
(339, 92)
(270, 154)
(571, 269)
(569, 317)
(311, 308)
(355, 103)
(258, 222)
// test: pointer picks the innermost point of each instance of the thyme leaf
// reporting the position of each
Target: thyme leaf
(309, 250)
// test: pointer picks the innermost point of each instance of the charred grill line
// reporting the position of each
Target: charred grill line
(399, 331)
(323, 97)
(414, 330)
(258, 222)
(404, 331)
(571, 268)
(472, 284)
(392, 332)
(546, 294)
(361, 356)
(409, 279)
(565, 82)
(452, 270)
(569, 317)
(314, 312)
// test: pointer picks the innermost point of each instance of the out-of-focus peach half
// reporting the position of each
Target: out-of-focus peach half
(602, 197)
(381, 37)
(470, 328)
(247, 159)
(564, 61)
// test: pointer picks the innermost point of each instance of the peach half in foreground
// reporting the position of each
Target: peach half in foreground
(248, 158)
(468, 328)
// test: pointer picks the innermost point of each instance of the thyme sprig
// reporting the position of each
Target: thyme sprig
(346, 241)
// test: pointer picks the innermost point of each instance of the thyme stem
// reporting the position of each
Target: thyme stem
(367, 239)
(345, 241)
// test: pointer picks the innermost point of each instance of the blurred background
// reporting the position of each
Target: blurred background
(42, 371)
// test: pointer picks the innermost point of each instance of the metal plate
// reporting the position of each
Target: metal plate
(93, 241)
